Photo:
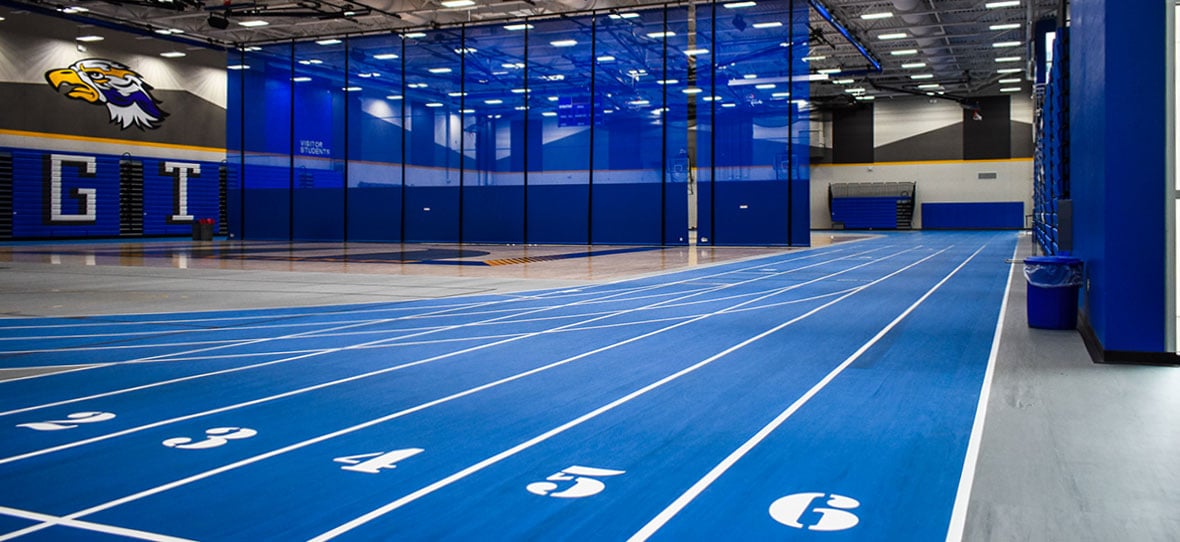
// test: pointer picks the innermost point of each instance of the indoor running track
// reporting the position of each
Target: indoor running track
(827, 394)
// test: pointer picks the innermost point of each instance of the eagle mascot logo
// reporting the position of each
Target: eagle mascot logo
(106, 82)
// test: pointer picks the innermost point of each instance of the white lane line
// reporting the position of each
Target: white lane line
(967, 477)
(381, 342)
(429, 404)
(472, 469)
(86, 525)
(697, 488)
(369, 374)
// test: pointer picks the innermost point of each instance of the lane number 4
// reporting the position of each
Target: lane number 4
(585, 482)
(373, 463)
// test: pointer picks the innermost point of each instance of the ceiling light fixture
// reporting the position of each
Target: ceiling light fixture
(329, 41)
(813, 58)
(1008, 59)
(563, 43)
(879, 15)
(1009, 81)
(696, 52)
(385, 56)
(253, 23)
(517, 27)
(739, 5)
(893, 36)
(172, 54)
(922, 76)
(1004, 4)
(457, 3)
(1008, 26)
(415, 35)
(1002, 44)
(301, 79)
(1010, 70)
(658, 35)
(913, 65)
(1010, 89)
(904, 52)
(768, 24)
(439, 70)
(90, 38)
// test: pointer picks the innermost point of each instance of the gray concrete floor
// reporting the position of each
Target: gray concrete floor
(1071, 451)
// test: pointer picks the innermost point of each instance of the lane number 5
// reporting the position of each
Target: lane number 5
(585, 482)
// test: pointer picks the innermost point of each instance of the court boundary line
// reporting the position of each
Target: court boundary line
(686, 498)
(89, 526)
(496, 458)
(305, 389)
(958, 521)
(423, 406)
(368, 344)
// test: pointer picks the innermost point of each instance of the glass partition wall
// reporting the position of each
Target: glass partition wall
(671, 124)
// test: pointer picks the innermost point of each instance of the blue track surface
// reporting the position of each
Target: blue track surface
(826, 394)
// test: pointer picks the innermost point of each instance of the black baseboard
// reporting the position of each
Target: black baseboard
(1098, 354)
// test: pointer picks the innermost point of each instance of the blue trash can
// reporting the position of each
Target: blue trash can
(1053, 283)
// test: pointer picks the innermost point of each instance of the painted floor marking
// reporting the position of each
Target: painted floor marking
(386, 370)
(967, 477)
(85, 525)
(423, 406)
(696, 489)
(361, 346)
(474, 468)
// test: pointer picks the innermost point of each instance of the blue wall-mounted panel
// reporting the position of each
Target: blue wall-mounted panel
(627, 214)
(751, 213)
(319, 214)
(993, 215)
(558, 214)
(493, 214)
(432, 214)
(375, 213)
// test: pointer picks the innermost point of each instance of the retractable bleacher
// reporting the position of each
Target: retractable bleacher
(868, 206)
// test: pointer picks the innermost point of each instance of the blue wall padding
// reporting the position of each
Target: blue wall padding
(558, 214)
(990, 215)
(319, 214)
(1118, 175)
(375, 213)
(800, 235)
(751, 213)
(865, 213)
(432, 214)
(493, 214)
(627, 214)
(704, 231)
(676, 214)
(268, 214)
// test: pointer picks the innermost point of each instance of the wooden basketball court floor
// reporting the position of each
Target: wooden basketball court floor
(873, 387)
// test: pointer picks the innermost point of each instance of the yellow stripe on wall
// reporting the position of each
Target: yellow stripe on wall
(926, 162)
(112, 141)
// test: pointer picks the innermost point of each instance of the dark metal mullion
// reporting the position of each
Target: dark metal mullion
(291, 151)
(462, 107)
(712, 131)
(664, 137)
(593, 106)
(791, 127)
(347, 45)
(402, 217)
(525, 133)
(242, 145)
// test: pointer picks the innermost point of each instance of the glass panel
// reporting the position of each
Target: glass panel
(800, 144)
(493, 172)
(318, 140)
(558, 130)
(753, 125)
(433, 137)
(628, 188)
(682, 93)
(375, 138)
(266, 171)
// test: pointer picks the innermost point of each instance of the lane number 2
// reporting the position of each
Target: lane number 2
(218, 436)
(585, 482)
(374, 462)
(71, 421)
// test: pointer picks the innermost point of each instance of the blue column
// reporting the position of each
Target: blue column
(1118, 103)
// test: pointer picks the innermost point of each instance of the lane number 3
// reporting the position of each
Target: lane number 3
(218, 436)
(585, 482)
